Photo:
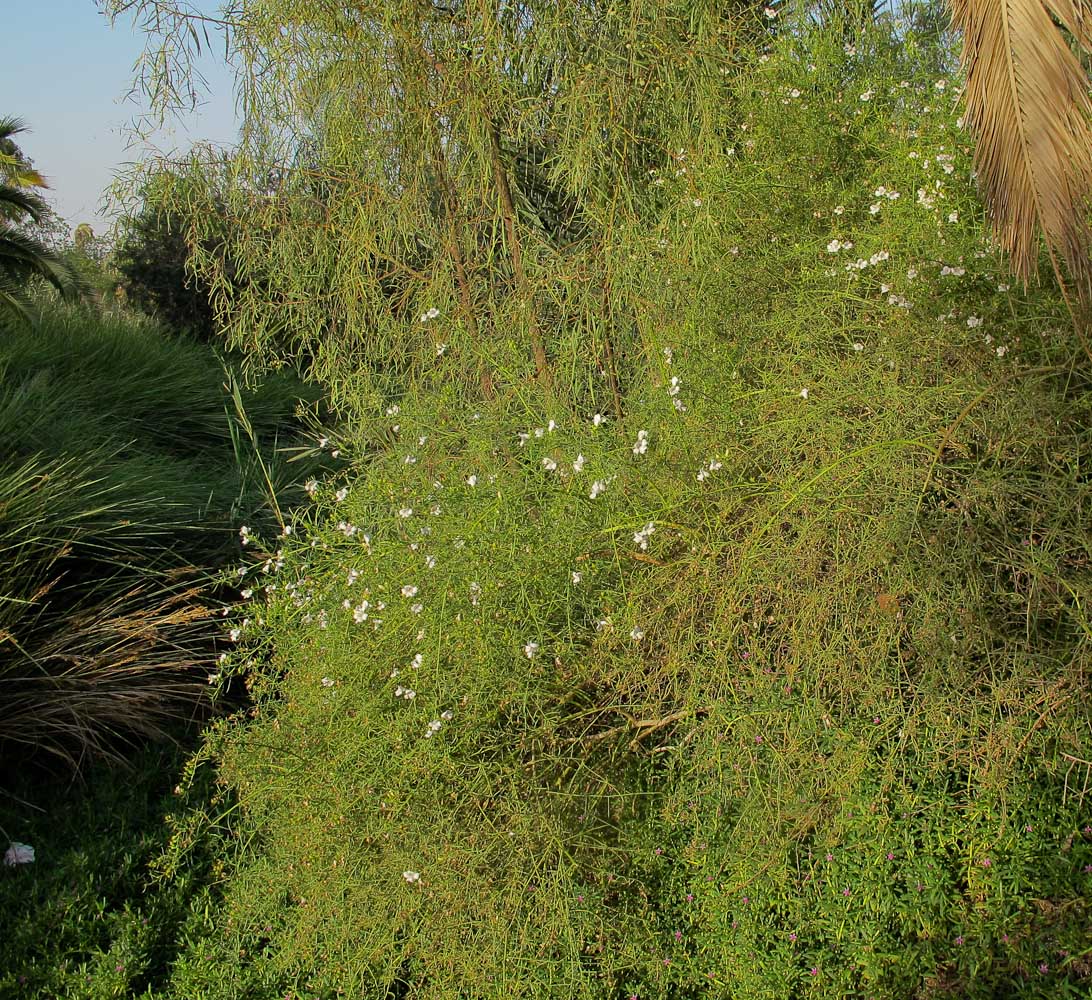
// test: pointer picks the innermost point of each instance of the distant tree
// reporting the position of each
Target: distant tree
(152, 257)
(24, 257)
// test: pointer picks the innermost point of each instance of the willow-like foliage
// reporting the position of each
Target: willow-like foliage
(495, 162)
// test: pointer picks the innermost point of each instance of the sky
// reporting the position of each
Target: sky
(67, 73)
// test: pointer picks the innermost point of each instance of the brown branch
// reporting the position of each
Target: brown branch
(640, 727)
(508, 216)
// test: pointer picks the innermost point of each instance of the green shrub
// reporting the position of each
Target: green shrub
(794, 705)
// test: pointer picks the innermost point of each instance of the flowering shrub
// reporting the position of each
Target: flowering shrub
(764, 678)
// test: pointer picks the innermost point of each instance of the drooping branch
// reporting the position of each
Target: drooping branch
(1027, 102)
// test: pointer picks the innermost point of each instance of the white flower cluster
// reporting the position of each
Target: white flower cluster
(715, 465)
(431, 314)
(641, 537)
(640, 446)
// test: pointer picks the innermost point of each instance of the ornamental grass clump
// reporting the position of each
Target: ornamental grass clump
(121, 487)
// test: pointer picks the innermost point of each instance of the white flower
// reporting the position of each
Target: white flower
(406, 512)
(430, 562)
(640, 446)
(858, 346)
(940, 84)
(18, 854)
(973, 321)
(471, 480)
(416, 609)
(641, 537)
(578, 463)
(360, 612)
(803, 393)
(409, 590)
(577, 576)
(523, 438)
(598, 419)
(342, 493)
(432, 313)
(834, 246)
(770, 13)
(311, 486)
(417, 660)
(953, 217)
(637, 634)
(598, 487)
(551, 427)
(549, 464)
(867, 95)
(874, 208)
(440, 348)
(327, 682)
(530, 649)
(393, 410)
(411, 876)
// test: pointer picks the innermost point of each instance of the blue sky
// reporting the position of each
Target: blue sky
(66, 72)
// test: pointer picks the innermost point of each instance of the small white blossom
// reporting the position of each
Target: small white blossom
(406, 512)
(640, 446)
(577, 576)
(342, 493)
(530, 649)
(803, 393)
(327, 682)
(409, 590)
(471, 480)
(637, 634)
(18, 854)
(411, 876)
(549, 464)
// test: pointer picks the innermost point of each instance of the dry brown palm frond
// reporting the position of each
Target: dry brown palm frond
(1028, 106)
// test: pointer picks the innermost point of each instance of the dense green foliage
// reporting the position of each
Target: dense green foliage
(126, 471)
(704, 611)
(151, 256)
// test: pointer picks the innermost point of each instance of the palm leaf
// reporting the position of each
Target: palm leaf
(1027, 103)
